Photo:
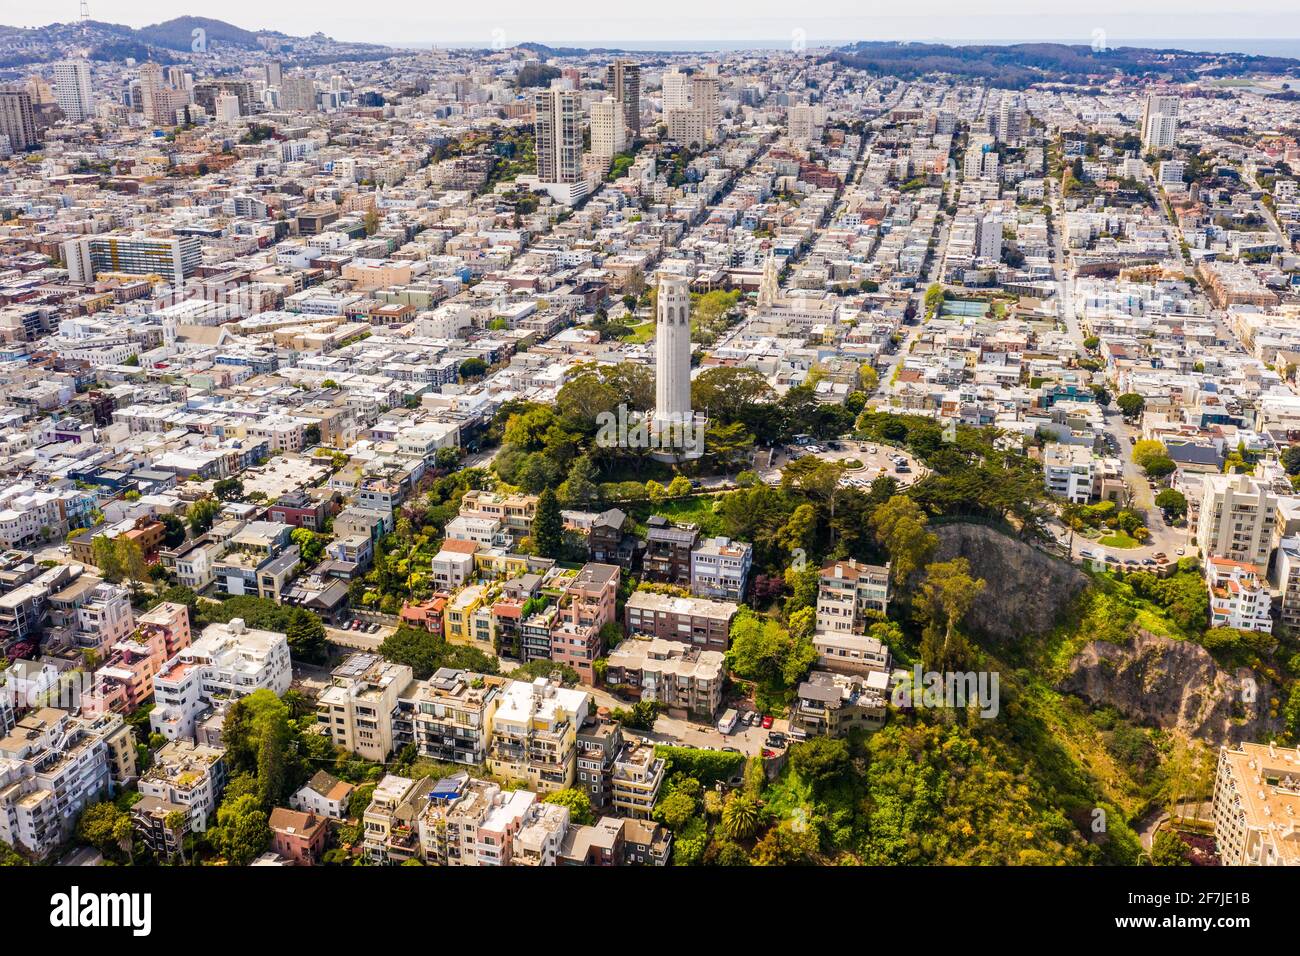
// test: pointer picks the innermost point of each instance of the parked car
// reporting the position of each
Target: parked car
(767, 721)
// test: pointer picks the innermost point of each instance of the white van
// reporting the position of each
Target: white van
(728, 722)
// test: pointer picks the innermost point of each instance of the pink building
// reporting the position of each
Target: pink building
(587, 605)
(124, 681)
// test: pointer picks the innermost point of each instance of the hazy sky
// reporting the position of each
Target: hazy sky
(603, 21)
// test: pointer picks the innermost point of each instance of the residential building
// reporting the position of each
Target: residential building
(557, 125)
(73, 91)
(701, 622)
(623, 81)
(187, 775)
(720, 568)
(323, 795)
(228, 661)
(831, 705)
(1068, 471)
(850, 595)
(359, 709)
(298, 837)
(1237, 598)
(668, 551)
(638, 775)
(1257, 805)
(18, 120)
(452, 715)
(1236, 519)
(534, 734)
(52, 765)
(685, 678)
(390, 824)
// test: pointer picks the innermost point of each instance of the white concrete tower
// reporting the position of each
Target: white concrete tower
(673, 354)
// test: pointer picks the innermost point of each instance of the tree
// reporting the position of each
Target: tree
(106, 557)
(766, 653)
(104, 826)
(228, 489)
(899, 525)
(946, 595)
(1131, 404)
(202, 514)
(1168, 849)
(306, 637)
(242, 831)
(821, 761)
(787, 844)
(1290, 459)
(1146, 450)
(675, 810)
(548, 527)
(424, 652)
(130, 558)
(310, 544)
(1172, 502)
(371, 221)
(727, 393)
(579, 489)
(577, 801)
(173, 531)
(1159, 466)
(679, 487)
(472, 368)
(740, 817)
(257, 735)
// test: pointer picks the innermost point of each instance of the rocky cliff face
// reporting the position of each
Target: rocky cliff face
(1175, 685)
(1027, 589)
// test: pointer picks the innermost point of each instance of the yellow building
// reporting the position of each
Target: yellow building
(458, 625)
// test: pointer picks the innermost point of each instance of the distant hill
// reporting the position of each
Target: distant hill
(178, 34)
(1021, 64)
(168, 42)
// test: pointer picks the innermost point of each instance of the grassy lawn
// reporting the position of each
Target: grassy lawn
(1119, 540)
(697, 510)
(641, 333)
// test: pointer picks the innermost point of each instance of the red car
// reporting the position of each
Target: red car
(767, 722)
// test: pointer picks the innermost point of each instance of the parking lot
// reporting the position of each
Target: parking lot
(867, 462)
(358, 635)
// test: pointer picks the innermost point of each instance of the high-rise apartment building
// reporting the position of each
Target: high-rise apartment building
(72, 90)
(298, 93)
(557, 122)
(706, 97)
(159, 97)
(1257, 805)
(1011, 120)
(172, 257)
(676, 90)
(1160, 121)
(623, 81)
(17, 119)
(1236, 519)
(608, 132)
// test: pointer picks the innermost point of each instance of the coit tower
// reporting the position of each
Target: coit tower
(673, 354)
